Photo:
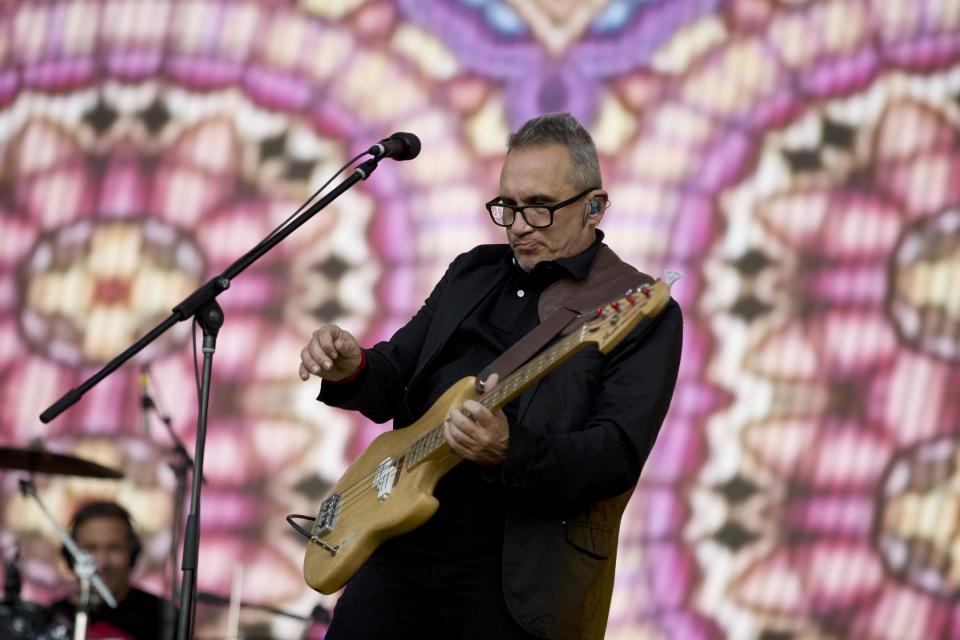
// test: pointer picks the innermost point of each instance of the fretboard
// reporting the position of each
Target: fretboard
(507, 389)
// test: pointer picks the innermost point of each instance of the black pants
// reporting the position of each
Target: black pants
(396, 598)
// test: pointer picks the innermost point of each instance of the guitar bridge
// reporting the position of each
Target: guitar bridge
(327, 515)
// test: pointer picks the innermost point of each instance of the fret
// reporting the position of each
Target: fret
(509, 388)
(423, 447)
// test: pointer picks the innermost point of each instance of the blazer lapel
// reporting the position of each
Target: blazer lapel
(458, 302)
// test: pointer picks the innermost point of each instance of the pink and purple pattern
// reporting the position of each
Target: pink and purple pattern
(798, 159)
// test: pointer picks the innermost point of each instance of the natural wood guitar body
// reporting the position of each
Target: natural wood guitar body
(365, 520)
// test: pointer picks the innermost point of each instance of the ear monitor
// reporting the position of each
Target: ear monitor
(595, 206)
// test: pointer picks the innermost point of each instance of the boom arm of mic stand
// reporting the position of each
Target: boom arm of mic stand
(205, 293)
(202, 305)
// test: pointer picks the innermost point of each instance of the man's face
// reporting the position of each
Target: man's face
(108, 541)
(541, 175)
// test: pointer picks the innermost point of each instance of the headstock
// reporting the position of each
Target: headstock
(618, 318)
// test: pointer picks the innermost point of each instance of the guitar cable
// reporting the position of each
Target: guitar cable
(299, 516)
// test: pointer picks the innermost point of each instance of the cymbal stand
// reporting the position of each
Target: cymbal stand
(180, 465)
(83, 565)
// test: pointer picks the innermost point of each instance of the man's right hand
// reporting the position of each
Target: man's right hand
(332, 354)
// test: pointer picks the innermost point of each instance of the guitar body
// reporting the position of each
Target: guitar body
(378, 501)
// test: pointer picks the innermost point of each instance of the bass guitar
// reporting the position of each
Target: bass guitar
(388, 490)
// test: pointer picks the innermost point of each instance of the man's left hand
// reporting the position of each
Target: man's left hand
(476, 433)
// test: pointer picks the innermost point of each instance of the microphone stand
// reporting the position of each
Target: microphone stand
(201, 305)
(210, 319)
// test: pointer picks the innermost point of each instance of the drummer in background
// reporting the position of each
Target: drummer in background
(105, 531)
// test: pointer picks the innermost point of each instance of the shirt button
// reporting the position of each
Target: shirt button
(520, 293)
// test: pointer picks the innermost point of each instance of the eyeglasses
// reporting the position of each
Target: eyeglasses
(536, 215)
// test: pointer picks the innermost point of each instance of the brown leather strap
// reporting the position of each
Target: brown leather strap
(566, 304)
(523, 349)
(609, 277)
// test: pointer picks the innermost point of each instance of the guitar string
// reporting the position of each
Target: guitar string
(490, 399)
(350, 493)
(355, 491)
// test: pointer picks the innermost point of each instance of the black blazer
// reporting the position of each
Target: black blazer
(581, 437)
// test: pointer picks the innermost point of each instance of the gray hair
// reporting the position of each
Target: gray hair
(562, 129)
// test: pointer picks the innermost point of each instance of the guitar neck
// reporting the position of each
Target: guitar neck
(506, 390)
(527, 375)
(611, 325)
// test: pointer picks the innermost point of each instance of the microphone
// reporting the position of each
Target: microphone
(399, 146)
(146, 402)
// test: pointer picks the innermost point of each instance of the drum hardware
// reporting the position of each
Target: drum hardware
(11, 580)
(37, 460)
(85, 567)
(207, 597)
(26, 620)
(180, 463)
(30, 621)
(318, 616)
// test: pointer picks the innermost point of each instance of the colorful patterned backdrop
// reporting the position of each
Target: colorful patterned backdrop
(799, 160)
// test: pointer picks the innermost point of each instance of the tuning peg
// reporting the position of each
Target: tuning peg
(671, 275)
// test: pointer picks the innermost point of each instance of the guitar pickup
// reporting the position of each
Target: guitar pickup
(327, 515)
(387, 476)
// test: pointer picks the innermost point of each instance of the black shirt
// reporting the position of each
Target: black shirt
(468, 526)
(139, 616)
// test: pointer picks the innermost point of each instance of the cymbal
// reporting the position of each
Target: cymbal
(40, 461)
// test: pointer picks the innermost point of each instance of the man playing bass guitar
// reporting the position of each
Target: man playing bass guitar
(523, 544)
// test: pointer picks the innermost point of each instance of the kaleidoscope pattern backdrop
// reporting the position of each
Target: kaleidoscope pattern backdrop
(798, 160)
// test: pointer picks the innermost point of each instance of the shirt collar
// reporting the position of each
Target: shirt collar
(576, 266)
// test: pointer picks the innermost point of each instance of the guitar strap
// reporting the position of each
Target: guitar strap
(566, 304)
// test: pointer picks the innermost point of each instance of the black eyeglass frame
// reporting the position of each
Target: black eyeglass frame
(551, 208)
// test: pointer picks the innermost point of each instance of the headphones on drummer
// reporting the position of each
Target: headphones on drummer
(104, 509)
